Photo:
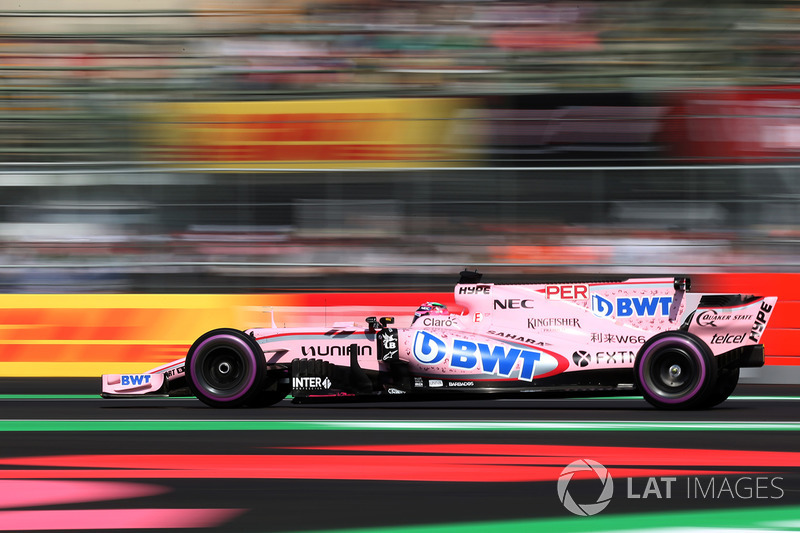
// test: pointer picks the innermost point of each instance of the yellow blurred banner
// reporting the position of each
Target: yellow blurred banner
(358, 133)
(86, 335)
(82, 335)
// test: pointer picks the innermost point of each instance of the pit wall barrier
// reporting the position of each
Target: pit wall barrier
(80, 335)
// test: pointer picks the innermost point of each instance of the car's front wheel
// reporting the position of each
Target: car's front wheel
(225, 368)
(675, 370)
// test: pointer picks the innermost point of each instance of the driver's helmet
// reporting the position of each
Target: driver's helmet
(430, 308)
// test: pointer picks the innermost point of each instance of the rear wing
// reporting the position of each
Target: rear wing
(729, 321)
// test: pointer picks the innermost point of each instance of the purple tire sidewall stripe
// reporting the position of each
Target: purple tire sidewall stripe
(693, 349)
(247, 350)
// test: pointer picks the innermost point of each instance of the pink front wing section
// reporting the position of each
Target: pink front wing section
(115, 384)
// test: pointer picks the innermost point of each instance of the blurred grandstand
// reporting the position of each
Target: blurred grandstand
(236, 146)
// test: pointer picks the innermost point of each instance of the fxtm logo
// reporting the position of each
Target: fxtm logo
(486, 358)
(582, 358)
(627, 307)
(597, 470)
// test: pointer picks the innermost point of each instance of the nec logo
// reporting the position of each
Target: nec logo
(135, 379)
(513, 303)
(475, 289)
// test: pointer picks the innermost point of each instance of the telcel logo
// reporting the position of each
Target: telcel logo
(486, 358)
(625, 307)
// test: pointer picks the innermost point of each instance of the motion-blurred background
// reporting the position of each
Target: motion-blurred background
(248, 146)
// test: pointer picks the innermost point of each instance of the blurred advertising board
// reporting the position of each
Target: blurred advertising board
(718, 126)
(734, 125)
(355, 133)
(84, 335)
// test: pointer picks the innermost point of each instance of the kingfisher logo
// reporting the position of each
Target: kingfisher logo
(631, 307)
(495, 359)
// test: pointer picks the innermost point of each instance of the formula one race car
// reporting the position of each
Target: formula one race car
(648, 337)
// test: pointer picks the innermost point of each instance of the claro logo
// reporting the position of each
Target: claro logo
(513, 303)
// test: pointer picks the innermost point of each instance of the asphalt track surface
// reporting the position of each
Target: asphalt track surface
(71, 460)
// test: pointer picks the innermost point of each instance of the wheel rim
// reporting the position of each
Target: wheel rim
(673, 373)
(222, 370)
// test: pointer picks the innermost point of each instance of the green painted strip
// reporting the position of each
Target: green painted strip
(368, 425)
(765, 518)
(532, 397)
(48, 396)
(765, 398)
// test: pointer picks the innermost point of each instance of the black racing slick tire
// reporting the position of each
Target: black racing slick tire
(226, 368)
(267, 398)
(273, 391)
(727, 379)
(675, 370)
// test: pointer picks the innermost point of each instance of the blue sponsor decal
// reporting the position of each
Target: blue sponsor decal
(429, 349)
(135, 379)
(627, 307)
(497, 359)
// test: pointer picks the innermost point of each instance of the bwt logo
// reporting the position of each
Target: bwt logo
(489, 359)
(135, 379)
(625, 307)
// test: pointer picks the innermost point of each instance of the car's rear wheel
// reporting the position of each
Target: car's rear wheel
(225, 368)
(675, 370)
(727, 380)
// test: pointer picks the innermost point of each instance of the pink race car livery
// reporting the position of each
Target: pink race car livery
(648, 336)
